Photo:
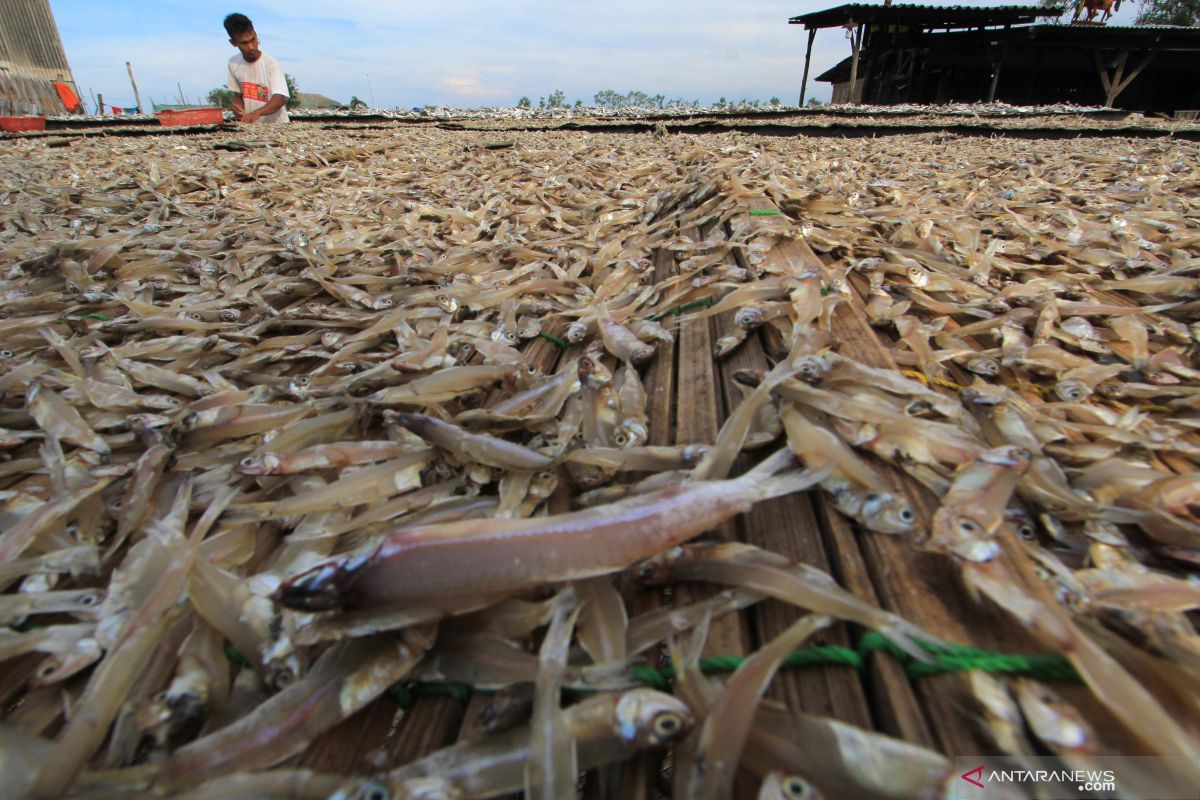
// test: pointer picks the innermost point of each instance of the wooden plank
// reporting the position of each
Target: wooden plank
(895, 710)
(909, 581)
(787, 525)
(431, 724)
(634, 778)
(698, 419)
(352, 746)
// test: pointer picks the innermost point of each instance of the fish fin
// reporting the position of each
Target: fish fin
(794, 481)
(780, 460)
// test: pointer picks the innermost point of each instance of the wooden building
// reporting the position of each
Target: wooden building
(34, 75)
(928, 54)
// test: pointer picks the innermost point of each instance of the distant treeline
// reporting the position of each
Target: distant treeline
(608, 98)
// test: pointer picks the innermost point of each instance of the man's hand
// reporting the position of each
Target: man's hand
(251, 116)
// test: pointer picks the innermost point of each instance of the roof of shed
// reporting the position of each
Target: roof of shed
(924, 16)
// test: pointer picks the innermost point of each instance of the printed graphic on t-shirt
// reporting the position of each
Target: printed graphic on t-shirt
(254, 91)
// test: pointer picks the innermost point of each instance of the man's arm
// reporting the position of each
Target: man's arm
(276, 102)
(235, 86)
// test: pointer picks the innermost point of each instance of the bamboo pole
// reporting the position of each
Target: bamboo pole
(807, 58)
(137, 98)
(855, 43)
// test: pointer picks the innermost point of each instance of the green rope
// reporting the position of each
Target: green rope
(406, 694)
(674, 312)
(235, 655)
(100, 317)
(763, 212)
(945, 658)
(551, 337)
(961, 658)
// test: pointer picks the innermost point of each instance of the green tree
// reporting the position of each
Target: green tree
(607, 98)
(814, 103)
(221, 97)
(524, 102)
(293, 92)
(1168, 12)
(775, 101)
(356, 103)
(557, 99)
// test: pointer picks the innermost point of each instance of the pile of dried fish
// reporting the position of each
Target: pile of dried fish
(285, 426)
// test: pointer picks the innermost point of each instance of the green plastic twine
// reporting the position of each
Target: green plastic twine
(100, 317)
(235, 655)
(944, 658)
(674, 312)
(551, 337)
(763, 212)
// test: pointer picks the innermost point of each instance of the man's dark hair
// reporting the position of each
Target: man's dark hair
(236, 24)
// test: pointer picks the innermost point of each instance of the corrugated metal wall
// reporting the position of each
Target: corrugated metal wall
(31, 56)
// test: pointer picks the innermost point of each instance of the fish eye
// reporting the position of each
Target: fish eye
(386, 301)
(302, 380)
(247, 461)
(531, 369)
(47, 670)
(620, 440)
(795, 788)
(968, 526)
(906, 515)
(1026, 532)
(543, 476)
(6, 353)
(667, 724)
(375, 791)
(192, 315)
(88, 599)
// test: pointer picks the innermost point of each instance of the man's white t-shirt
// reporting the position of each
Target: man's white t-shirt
(257, 82)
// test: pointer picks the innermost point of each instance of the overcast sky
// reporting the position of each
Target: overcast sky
(460, 53)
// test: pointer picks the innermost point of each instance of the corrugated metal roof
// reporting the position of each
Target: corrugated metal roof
(1144, 27)
(925, 15)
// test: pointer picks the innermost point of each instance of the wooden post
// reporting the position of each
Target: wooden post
(855, 41)
(1118, 81)
(182, 101)
(100, 104)
(812, 34)
(137, 98)
(95, 105)
(997, 63)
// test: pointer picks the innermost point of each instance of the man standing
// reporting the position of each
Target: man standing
(260, 91)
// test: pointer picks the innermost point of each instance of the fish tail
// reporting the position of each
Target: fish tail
(791, 482)
(776, 462)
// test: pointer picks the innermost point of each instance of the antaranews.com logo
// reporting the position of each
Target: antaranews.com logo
(1083, 777)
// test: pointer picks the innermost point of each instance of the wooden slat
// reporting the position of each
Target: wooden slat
(633, 779)
(914, 583)
(350, 747)
(907, 580)
(431, 724)
(787, 525)
(698, 419)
